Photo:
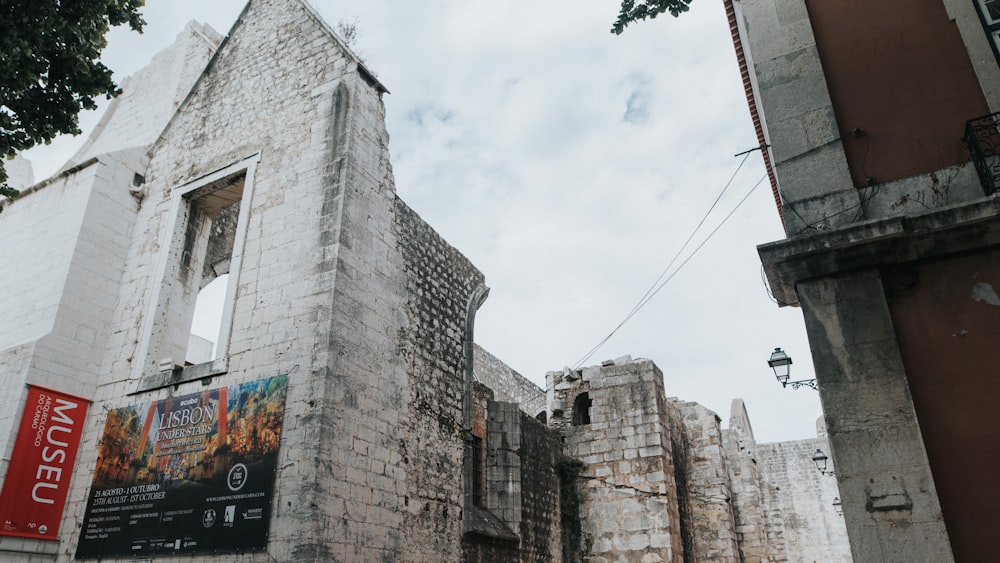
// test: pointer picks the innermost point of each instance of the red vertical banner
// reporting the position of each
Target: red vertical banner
(41, 466)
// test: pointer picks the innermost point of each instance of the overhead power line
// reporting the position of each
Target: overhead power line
(664, 278)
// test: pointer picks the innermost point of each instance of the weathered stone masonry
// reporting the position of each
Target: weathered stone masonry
(335, 282)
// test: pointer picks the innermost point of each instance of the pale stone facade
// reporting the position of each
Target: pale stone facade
(814, 527)
(662, 480)
(401, 440)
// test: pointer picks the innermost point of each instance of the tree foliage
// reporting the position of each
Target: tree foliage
(50, 67)
(630, 12)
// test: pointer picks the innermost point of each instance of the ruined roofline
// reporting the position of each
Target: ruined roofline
(193, 29)
(81, 158)
(363, 72)
(366, 74)
(7, 202)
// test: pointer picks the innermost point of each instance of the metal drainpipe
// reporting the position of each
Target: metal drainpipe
(476, 300)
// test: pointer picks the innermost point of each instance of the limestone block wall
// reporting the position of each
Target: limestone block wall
(321, 292)
(67, 242)
(711, 526)
(49, 218)
(813, 530)
(151, 96)
(440, 283)
(759, 523)
(340, 285)
(797, 114)
(629, 500)
(541, 523)
(503, 477)
(523, 488)
(520, 517)
(664, 470)
(508, 384)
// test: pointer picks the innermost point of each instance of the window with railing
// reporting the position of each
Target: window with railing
(983, 137)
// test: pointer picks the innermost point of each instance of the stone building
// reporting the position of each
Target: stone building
(879, 133)
(662, 480)
(345, 412)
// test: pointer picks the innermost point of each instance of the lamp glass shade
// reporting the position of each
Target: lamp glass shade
(819, 458)
(781, 363)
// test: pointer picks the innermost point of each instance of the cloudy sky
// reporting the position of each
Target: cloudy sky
(571, 165)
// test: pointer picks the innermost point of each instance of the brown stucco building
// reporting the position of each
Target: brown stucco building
(880, 131)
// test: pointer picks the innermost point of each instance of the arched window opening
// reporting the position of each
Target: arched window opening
(581, 409)
(542, 417)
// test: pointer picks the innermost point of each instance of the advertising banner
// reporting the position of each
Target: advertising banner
(188, 474)
(34, 492)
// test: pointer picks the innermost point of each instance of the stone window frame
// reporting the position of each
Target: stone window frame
(156, 320)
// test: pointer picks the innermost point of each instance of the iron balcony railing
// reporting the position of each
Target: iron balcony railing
(983, 137)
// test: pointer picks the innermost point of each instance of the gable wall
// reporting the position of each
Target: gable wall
(281, 87)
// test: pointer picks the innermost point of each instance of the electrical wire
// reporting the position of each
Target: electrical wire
(688, 241)
(767, 286)
(661, 282)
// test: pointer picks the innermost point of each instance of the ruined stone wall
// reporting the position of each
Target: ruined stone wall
(150, 97)
(813, 530)
(520, 518)
(712, 525)
(758, 528)
(440, 282)
(680, 451)
(340, 285)
(629, 501)
(508, 384)
(504, 477)
(320, 293)
(541, 450)
(663, 470)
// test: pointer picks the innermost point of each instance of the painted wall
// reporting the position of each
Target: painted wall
(947, 324)
(901, 101)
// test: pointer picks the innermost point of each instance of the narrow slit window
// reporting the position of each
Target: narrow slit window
(581, 409)
(478, 472)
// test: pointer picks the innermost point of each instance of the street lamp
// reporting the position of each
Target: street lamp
(838, 506)
(781, 363)
(820, 459)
